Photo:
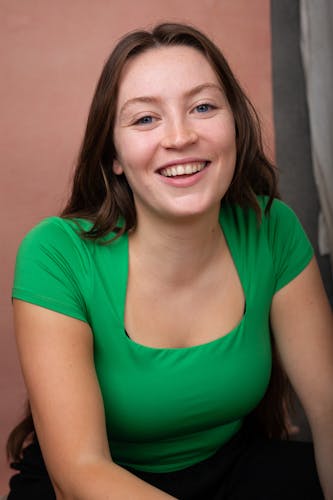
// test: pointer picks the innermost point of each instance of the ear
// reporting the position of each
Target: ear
(117, 168)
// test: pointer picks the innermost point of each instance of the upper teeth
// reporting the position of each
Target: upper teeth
(185, 168)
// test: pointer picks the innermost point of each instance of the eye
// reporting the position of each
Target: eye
(204, 108)
(144, 120)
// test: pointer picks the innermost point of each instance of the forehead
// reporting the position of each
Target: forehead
(164, 69)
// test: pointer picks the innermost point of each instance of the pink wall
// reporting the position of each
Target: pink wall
(51, 56)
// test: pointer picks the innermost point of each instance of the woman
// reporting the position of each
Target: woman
(144, 314)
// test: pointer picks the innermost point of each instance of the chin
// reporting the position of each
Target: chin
(189, 213)
(199, 207)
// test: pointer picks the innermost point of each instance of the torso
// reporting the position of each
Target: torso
(166, 409)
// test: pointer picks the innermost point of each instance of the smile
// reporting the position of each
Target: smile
(184, 169)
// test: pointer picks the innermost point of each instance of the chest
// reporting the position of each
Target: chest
(194, 313)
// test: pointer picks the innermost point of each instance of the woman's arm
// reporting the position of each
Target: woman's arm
(302, 324)
(56, 353)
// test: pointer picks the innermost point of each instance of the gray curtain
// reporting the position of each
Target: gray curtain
(317, 55)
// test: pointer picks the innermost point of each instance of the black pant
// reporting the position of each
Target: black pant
(246, 468)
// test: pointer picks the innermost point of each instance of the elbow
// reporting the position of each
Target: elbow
(82, 481)
(62, 489)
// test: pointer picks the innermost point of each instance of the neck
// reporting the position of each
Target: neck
(177, 252)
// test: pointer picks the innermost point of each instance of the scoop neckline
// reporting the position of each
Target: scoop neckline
(122, 277)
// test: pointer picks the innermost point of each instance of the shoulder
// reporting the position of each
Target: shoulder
(289, 244)
(283, 229)
(52, 227)
(279, 234)
(62, 241)
(280, 222)
(53, 267)
(278, 211)
(55, 233)
(55, 243)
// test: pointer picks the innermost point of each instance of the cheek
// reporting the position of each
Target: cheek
(222, 133)
(225, 145)
(133, 150)
(229, 131)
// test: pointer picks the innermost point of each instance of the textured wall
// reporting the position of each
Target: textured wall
(51, 56)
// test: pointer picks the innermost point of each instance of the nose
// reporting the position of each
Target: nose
(178, 134)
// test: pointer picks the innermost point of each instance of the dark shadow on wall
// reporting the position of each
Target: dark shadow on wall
(292, 136)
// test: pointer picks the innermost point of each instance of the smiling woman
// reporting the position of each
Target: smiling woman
(174, 137)
(171, 300)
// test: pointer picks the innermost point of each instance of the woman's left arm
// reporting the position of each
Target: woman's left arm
(302, 325)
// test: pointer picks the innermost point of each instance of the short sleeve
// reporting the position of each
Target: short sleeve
(290, 247)
(52, 268)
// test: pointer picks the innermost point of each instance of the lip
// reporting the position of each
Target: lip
(182, 161)
(186, 180)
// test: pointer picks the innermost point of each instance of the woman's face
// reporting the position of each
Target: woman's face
(174, 134)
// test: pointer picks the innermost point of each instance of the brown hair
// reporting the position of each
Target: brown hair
(104, 198)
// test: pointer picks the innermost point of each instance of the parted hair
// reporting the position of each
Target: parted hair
(104, 198)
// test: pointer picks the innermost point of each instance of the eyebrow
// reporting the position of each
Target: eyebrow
(150, 99)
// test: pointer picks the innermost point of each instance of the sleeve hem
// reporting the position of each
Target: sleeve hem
(47, 303)
(296, 272)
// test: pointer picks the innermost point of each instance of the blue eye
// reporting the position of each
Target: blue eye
(144, 120)
(203, 108)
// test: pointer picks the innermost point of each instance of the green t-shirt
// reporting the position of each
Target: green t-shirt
(167, 409)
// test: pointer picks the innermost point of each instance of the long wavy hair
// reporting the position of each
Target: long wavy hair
(105, 198)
